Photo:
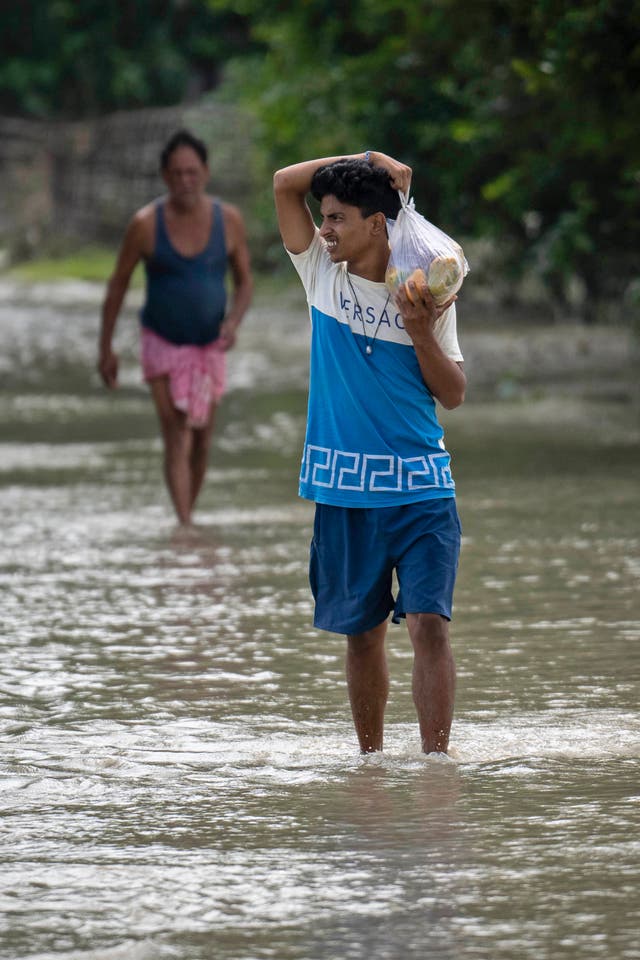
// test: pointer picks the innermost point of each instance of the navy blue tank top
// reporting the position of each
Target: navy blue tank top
(186, 296)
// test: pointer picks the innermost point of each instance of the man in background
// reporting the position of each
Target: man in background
(188, 241)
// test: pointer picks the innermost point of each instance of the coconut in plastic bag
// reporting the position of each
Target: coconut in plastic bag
(424, 254)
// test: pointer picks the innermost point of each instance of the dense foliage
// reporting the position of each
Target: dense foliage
(62, 58)
(519, 118)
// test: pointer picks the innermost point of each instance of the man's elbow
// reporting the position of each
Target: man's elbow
(286, 182)
(452, 400)
(116, 289)
(454, 396)
(279, 180)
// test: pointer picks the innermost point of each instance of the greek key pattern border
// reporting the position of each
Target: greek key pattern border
(364, 472)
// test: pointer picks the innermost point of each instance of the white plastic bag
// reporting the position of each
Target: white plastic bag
(424, 254)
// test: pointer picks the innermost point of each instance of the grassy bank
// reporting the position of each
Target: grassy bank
(94, 264)
(90, 264)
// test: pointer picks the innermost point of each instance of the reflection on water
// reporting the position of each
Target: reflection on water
(179, 772)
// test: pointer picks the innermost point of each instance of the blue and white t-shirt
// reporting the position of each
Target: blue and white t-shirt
(373, 437)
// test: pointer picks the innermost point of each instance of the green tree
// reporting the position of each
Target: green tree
(60, 58)
(518, 117)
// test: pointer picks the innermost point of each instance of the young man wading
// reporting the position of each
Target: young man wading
(374, 459)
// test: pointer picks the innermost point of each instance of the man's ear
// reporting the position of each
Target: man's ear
(378, 224)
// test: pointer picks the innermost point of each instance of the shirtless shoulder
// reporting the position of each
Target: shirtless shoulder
(141, 229)
(234, 229)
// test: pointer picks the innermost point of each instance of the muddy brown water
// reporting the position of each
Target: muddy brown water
(178, 768)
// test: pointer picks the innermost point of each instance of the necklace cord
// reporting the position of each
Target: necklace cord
(369, 343)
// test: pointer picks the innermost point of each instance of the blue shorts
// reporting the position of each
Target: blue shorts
(355, 550)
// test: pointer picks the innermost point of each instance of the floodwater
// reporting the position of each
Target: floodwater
(178, 768)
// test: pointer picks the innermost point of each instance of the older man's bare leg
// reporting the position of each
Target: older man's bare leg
(178, 444)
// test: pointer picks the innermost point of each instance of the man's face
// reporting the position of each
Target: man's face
(345, 231)
(185, 175)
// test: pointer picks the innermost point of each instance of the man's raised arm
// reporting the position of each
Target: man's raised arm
(291, 186)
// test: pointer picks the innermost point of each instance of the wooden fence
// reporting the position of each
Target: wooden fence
(61, 182)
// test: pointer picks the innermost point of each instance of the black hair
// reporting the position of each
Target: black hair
(183, 138)
(358, 184)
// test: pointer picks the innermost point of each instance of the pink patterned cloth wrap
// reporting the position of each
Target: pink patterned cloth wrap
(197, 375)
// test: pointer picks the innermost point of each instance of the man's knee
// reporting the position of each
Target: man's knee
(361, 644)
(201, 444)
(428, 629)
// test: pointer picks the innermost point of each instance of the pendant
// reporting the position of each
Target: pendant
(368, 349)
